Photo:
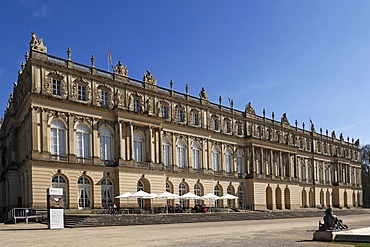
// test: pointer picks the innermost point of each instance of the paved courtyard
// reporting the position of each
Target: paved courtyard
(277, 232)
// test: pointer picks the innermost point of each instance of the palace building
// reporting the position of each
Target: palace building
(98, 134)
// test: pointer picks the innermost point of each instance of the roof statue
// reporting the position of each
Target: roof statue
(37, 44)
(149, 78)
(119, 69)
(284, 119)
(203, 94)
(249, 108)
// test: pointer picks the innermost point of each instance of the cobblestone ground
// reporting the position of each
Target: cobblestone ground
(278, 232)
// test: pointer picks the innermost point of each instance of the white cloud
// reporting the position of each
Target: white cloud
(41, 12)
(353, 125)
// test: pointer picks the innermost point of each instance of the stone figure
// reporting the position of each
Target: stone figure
(249, 109)
(37, 44)
(149, 78)
(203, 94)
(284, 119)
(120, 69)
(331, 222)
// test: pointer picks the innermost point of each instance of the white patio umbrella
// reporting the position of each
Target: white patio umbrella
(229, 197)
(126, 195)
(168, 196)
(210, 196)
(142, 195)
(189, 195)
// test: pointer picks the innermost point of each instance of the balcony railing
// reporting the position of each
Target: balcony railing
(58, 157)
(84, 160)
(108, 162)
(142, 165)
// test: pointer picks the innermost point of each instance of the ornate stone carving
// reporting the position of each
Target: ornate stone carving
(37, 44)
(249, 109)
(48, 85)
(82, 82)
(149, 78)
(119, 69)
(100, 89)
(119, 98)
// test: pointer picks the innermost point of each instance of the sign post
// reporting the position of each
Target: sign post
(55, 208)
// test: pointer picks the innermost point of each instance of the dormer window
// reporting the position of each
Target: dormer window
(81, 94)
(104, 99)
(57, 87)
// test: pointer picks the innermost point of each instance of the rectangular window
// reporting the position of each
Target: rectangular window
(195, 119)
(216, 166)
(136, 105)
(196, 160)
(81, 93)
(138, 150)
(164, 112)
(181, 115)
(181, 157)
(228, 163)
(228, 128)
(239, 164)
(104, 99)
(57, 87)
(215, 124)
(239, 129)
(166, 155)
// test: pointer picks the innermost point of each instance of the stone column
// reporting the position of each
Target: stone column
(131, 140)
(160, 151)
(263, 165)
(149, 145)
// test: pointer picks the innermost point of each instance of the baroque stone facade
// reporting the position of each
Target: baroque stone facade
(98, 134)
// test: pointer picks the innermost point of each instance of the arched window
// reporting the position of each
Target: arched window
(165, 152)
(106, 192)
(105, 144)
(59, 181)
(216, 159)
(168, 187)
(140, 201)
(239, 163)
(84, 193)
(217, 192)
(138, 147)
(198, 192)
(57, 138)
(82, 141)
(181, 154)
(182, 191)
(196, 156)
(228, 162)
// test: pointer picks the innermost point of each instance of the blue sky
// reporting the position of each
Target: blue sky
(310, 59)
